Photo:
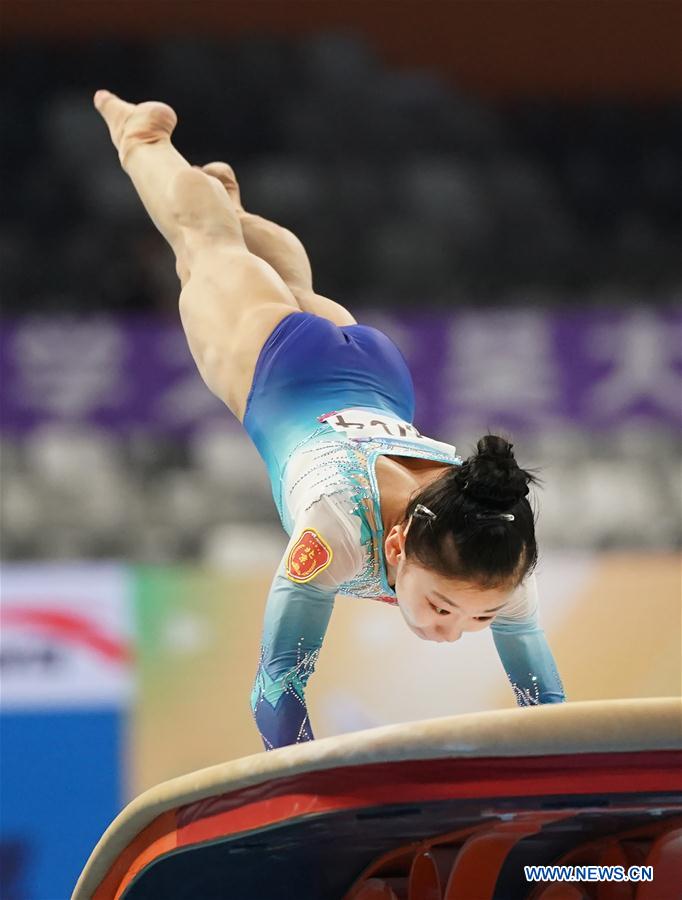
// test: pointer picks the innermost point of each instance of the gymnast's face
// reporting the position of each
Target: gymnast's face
(435, 607)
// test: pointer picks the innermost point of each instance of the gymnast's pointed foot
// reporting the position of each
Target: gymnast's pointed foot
(133, 124)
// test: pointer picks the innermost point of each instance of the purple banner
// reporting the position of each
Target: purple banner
(520, 370)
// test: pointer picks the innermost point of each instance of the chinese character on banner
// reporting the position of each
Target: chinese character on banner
(69, 368)
(644, 354)
(501, 369)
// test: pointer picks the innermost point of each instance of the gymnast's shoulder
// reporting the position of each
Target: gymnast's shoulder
(324, 549)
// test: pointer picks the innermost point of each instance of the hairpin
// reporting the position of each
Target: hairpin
(423, 512)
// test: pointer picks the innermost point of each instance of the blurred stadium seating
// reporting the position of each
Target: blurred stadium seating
(404, 190)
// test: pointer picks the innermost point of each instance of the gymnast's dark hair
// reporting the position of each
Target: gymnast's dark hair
(471, 534)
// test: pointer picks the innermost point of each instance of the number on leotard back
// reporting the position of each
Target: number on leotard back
(343, 425)
(367, 423)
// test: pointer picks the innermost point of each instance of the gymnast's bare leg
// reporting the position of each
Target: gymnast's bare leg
(282, 250)
(231, 299)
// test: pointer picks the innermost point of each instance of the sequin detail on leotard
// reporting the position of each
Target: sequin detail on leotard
(288, 686)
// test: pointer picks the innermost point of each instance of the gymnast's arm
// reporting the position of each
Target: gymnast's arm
(320, 556)
(296, 619)
(524, 652)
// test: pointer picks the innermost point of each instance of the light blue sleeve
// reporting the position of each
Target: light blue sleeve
(528, 661)
(296, 619)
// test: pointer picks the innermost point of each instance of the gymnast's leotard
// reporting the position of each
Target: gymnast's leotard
(326, 402)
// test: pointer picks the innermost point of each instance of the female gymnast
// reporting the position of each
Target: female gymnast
(373, 508)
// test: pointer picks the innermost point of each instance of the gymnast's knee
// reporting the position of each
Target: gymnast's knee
(203, 209)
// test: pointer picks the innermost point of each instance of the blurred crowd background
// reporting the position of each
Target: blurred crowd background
(405, 189)
(409, 193)
(496, 185)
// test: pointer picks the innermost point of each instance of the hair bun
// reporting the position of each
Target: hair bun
(491, 477)
(495, 447)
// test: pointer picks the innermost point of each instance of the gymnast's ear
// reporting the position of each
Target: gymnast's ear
(394, 544)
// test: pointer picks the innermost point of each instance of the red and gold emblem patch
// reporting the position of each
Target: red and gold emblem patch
(309, 556)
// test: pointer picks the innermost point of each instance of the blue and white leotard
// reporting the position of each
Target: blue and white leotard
(326, 402)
